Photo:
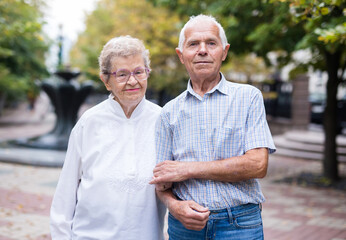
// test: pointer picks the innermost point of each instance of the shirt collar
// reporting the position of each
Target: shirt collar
(116, 107)
(220, 87)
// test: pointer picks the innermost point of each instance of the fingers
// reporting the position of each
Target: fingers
(159, 180)
(160, 187)
(199, 208)
(161, 167)
(166, 165)
(170, 171)
(153, 181)
(196, 221)
(163, 186)
(186, 213)
(195, 225)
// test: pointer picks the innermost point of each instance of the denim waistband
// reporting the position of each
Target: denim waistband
(236, 209)
(234, 212)
(231, 209)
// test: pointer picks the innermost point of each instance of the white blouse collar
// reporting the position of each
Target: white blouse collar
(117, 109)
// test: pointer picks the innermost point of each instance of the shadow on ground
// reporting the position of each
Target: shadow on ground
(315, 180)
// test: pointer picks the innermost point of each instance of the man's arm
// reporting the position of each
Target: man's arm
(253, 164)
(192, 215)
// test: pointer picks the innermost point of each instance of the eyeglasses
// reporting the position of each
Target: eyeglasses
(123, 75)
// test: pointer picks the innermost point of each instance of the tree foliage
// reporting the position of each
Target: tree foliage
(157, 27)
(22, 47)
(333, 31)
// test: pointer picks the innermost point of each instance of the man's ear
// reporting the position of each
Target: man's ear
(180, 55)
(105, 82)
(225, 51)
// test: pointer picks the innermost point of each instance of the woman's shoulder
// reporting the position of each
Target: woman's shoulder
(93, 111)
(153, 107)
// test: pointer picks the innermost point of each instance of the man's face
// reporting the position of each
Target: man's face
(202, 52)
(131, 92)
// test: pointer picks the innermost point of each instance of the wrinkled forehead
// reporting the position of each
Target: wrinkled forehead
(202, 29)
(127, 62)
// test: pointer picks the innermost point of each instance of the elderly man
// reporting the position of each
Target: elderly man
(212, 144)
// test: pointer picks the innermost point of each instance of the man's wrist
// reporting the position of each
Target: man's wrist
(172, 203)
(192, 170)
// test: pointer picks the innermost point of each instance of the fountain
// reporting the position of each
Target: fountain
(66, 96)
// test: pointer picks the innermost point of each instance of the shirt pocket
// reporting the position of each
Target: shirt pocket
(228, 142)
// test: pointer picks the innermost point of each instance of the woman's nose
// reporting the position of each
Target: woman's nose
(132, 80)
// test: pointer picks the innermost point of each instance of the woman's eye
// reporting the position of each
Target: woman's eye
(122, 75)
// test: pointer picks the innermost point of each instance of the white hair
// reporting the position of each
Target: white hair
(202, 17)
(122, 46)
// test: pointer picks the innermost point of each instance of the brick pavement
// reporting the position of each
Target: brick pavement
(291, 212)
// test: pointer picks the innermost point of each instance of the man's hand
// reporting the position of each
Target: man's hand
(162, 186)
(170, 171)
(192, 215)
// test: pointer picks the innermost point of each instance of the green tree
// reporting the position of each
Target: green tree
(250, 66)
(157, 27)
(22, 47)
(325, 28)
(283, 27)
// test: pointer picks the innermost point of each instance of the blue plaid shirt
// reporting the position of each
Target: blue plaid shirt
(226, 122)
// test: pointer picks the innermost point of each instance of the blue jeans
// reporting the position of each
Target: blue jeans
(237, 223)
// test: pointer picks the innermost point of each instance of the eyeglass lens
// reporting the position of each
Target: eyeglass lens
(123, 75)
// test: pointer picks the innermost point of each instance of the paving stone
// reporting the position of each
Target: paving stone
(24, 226)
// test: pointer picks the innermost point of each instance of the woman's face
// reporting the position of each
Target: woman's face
(129, 93)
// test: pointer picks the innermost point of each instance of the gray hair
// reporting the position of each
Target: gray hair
(195, 19)
(122, 46)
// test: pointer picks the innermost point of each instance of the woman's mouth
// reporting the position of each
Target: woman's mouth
(132, 90)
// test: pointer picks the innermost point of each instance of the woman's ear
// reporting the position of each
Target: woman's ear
(105, 82)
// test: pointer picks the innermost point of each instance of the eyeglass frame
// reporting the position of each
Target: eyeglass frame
(147, 70)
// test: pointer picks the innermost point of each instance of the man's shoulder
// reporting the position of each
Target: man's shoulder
(175, 101)
(232, 87)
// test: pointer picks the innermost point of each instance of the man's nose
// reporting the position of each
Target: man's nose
(202, 49)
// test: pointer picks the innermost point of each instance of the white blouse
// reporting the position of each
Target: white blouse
(103, 191)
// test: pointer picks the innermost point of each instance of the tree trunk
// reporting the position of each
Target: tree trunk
(330, 161)
(2, 101)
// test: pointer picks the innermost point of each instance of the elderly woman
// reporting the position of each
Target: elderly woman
(103, 190)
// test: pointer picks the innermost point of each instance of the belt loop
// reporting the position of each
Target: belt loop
(230, 217)
(260, 206)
